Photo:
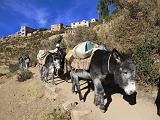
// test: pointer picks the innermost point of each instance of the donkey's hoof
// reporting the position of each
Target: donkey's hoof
(82, 100)
(103, 111)
(73, 92)
(96, 104)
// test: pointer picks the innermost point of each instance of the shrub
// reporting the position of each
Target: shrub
(144, 61)
(58, 114)
(24, 75)
(55, 116)
(13, 67)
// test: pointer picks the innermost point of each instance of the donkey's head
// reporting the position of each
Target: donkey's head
(124, 73)
(57, 60)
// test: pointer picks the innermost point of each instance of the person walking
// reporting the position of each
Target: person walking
(26, 61)
(57, 49)
(21, 62)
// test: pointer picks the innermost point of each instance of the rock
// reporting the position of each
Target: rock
(80, 114)
(69, 105)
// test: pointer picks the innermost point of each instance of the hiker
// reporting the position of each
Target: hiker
(57, 49)
(26, 61)
(20, 60)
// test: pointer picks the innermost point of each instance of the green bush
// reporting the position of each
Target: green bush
(13, 67)
(55, 116)
(24, 75)
(59, 115)
(143, 57)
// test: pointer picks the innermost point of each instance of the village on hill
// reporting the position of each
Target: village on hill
(29, 31)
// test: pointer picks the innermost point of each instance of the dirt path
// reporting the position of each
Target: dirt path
(31, 100)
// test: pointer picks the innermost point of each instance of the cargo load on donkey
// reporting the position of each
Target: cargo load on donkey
(41, 56)
(79, 57)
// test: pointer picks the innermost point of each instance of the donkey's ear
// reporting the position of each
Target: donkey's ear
(116, 55)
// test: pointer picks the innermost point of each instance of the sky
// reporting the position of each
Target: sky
(43, 13)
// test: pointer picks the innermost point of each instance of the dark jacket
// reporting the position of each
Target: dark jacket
(20, 60)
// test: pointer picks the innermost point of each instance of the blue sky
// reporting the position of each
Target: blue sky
(43, 13)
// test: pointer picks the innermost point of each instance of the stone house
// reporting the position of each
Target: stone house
(83, 23)
(57, 27)
(26, 30)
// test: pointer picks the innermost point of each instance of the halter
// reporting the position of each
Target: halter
(109, 62)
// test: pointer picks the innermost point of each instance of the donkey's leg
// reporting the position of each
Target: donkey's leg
(41, 72)
(46, 73)
(99, 94)
(52, 73)
(73, 81)
(81, 98)
(89, 85)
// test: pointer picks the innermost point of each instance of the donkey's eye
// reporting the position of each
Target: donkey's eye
(125, 72)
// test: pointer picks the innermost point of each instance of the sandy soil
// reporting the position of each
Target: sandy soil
(29, 101)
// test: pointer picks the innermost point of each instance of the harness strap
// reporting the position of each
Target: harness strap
(109, 62)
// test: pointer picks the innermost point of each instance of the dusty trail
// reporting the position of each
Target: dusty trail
(28, 101)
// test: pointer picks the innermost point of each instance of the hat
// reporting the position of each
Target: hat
(57, 45)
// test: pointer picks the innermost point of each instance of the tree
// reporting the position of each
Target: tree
(102, 9)
(119, 3)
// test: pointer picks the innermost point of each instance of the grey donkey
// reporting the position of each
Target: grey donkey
(105, 63)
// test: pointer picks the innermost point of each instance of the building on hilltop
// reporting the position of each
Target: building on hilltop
(93, 20)
(84, 23)
(57, 27)
(26, 30)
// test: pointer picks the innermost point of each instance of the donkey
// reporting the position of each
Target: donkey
(52, 62)
(104, 63)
